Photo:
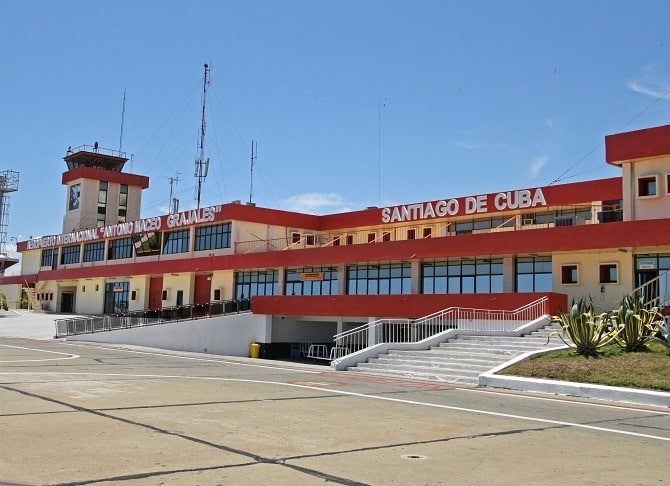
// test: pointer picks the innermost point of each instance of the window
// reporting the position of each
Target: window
(612, 211)
(49, 257)
(120, 248)
(94, 252)
(176, 242)
(123, 202)
(667, 185)
(411, 234)
(609, 273)
(569, 275)
(350, 239)
(533, 274)
(102, 204)
(261, 282)
(647, 186)
(217, 294)
(371, 237)
(463, 228)
(295, 237)
(386, 236)
(147, 244)
(212, 237)
(478, 275)
(427, 232)
(380, 279)
(311, 281)
(310, 240)
(70, 254)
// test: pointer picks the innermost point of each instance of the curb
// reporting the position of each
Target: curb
(569, 388)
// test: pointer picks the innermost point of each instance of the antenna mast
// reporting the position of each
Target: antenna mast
(123, 117)
(174, 203)
(202, 165)
(253, 159)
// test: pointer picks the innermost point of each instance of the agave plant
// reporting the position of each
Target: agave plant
(586, 331)
(664, 331)
(635, 323)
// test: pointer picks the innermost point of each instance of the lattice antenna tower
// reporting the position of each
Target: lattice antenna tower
(202, 165)
(9, 182)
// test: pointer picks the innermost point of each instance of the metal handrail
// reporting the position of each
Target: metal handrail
(655, 292)
(89, 324)
(411, 331)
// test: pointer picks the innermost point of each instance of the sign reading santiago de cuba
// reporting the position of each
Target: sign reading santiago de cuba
(502, 201)
(170, 221)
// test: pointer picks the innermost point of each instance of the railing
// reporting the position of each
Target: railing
(411, 331)
(96, 149)
(655, 292)
(89, 324)
(519, 222)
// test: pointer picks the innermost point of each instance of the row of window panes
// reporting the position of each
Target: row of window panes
(379, 279)
(463, 276)
(207, 238)
(458, 276)
(325, 285)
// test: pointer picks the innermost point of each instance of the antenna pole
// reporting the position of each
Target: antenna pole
(202, 165)
(174, 205)
(253, 159)
(123, 118)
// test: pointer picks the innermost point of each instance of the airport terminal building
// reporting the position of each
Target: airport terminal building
(314, 276)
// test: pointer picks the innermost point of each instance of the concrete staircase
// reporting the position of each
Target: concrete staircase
(458, 360)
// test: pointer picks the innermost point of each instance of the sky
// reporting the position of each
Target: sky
(351, 103)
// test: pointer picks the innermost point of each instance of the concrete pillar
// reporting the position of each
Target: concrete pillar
(416, 276)
(509, 277)
(342, 279)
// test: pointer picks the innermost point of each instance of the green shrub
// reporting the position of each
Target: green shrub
(663, 336)
(635, 323)
(586, 330)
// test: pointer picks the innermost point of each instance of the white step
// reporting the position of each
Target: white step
(459, 360)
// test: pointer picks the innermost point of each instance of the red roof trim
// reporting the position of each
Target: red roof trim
(105, 175)
(640, 144)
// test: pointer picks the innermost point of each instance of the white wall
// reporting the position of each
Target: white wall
(88, 300)
(638, 208)
(605, 296)
(228, 335)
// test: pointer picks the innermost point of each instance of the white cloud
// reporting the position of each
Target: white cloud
(537, 164)
(469, 145)
(316, 203)
(650, 83)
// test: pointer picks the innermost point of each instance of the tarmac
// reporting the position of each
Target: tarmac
(85, 413)
(40, 326)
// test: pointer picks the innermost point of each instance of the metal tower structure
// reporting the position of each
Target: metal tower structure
(202, 165)
(9, 182)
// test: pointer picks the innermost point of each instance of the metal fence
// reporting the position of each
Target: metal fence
(89, 324)
(411, 331)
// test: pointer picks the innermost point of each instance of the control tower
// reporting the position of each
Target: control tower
(99, 192)
(9, 182)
